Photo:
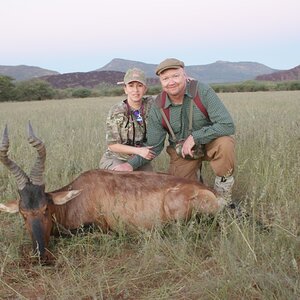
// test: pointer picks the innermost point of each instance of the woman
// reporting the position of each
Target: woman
(126, 124)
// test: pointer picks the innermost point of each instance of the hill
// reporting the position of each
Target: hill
(122, 65)
(218, 72)
(83, 79)
(225, 72)
(288, 75)
(23, 72)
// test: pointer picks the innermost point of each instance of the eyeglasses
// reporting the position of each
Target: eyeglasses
(174, 77)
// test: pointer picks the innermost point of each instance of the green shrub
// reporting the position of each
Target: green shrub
(81, 93)
(256, 86)
(7, 88)
(34, 90)
(295, 86)
(41, 90)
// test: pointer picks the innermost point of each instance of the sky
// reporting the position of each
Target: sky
(84, 35)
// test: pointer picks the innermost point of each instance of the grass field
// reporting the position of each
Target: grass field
(219, 258)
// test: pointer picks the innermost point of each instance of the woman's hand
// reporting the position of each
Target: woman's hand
(145, 152)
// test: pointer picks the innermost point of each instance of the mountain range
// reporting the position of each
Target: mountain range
(292, 74)
(23, 72)
(217, 72)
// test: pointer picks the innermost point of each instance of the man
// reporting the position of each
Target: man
(203, 135)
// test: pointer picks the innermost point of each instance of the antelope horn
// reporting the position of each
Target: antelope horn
(36, 174)
(19, 174)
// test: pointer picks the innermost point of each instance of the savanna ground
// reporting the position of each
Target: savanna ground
(207, 258)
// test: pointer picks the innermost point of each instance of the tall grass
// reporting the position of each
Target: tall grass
(220, 258)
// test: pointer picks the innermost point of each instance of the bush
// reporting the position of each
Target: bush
(105, 89)
(255, 86)
(34, 90)
(294, 86)
(40, 90)
(82, 93)
(154, 90)
(7, 88)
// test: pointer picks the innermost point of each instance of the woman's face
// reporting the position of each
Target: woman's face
(135, 91)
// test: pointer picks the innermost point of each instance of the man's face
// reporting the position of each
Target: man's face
(173, 81)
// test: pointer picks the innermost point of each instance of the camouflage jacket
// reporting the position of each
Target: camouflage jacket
(123, 127)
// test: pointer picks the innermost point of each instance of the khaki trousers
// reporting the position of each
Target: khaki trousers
(219, 152)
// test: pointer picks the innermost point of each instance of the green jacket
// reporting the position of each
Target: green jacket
(220, 122)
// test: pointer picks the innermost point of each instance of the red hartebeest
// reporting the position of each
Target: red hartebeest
(101, 197)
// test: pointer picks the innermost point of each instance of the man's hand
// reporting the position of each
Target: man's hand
(123, 167)
(187, 146)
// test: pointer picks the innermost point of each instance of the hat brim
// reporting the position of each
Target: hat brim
(135, 80)
(158, 72)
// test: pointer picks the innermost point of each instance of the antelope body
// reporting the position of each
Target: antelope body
(138, 200)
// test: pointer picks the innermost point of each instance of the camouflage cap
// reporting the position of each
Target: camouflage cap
(135, 74)
(169, 63)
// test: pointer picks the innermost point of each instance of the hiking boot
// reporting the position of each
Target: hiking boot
(223, 186)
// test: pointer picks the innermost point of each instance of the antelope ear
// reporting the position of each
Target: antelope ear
(60, 198)
(11, 207)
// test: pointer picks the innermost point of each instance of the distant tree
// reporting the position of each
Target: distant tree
(34, 90)
(106, 89)
(81, 93)
(154, 90)
(295, 85)
(7, 88)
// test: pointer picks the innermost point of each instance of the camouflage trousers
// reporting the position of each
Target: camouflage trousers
(110, 162)
(219, 152)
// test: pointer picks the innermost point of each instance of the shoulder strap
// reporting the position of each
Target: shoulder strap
(196, 97)
(167, 124)
(166, 111)
(191, 118)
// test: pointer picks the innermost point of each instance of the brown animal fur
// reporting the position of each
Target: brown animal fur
(139, 199)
